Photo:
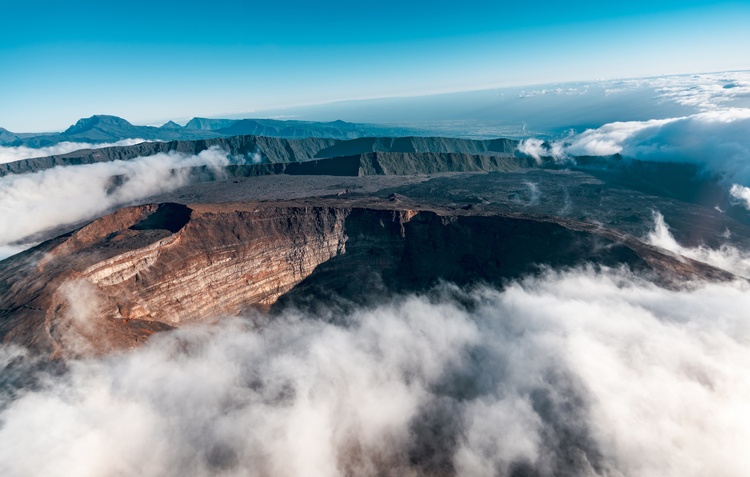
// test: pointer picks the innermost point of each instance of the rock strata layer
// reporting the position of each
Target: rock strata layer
(143, 269)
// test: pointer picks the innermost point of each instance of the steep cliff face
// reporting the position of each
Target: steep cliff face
(381, 163)
(270, 150)
(160, 265)
(495, 147)
(143, 269)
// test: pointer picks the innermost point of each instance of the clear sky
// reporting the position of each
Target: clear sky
(148, 60)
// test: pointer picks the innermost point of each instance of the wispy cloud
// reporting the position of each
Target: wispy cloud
(576, 373)
(17, 153)
(726, 257)
(32, 203)
(699, 92)
(558, 91)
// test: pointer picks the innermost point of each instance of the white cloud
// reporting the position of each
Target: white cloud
(726, 257)
(17, 153)
(533, 147)
(718, 141)
(33, 203)
(538, 149)
(558, 91)
(701, 92)
(576, 373)
(741, 194)
(707, 92)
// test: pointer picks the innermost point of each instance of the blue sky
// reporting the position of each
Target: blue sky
(150, 61)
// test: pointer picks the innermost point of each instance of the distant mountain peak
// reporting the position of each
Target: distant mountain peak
(108, 129)
(8, 138)
(206, 124)
(86, 124)
(171, 125)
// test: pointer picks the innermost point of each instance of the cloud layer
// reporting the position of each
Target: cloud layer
(17, 153)
(576, 373)
(706, 91)
(719, 141)
(33, 203)
(701, 92)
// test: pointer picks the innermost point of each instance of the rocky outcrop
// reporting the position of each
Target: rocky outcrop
(143, 269)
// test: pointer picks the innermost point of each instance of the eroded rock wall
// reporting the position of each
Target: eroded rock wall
(148, 268)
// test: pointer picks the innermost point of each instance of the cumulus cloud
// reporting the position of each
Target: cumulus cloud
(539, 149)
(726, 257)
(533, 147)
(575, 373)
(741, 194)
(17, 153)
(33, 203)
(718, 141)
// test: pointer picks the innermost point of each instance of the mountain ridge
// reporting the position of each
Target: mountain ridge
(251, 149)
(8, 138)
(103, 128)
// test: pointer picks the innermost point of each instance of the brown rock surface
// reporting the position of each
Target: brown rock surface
(143, 269)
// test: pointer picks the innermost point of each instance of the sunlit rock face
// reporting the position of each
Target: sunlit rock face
(143, 269)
